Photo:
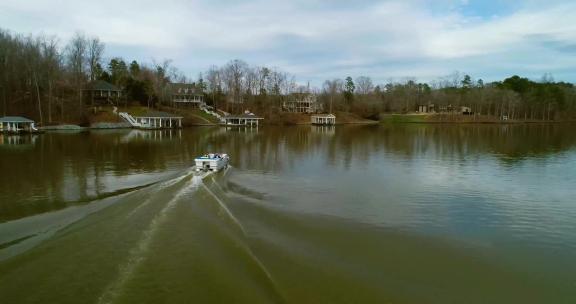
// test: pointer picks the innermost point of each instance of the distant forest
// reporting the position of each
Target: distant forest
(44, 80)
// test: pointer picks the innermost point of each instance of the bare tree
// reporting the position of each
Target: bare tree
(95, 52)
(32, 58)
(277, 82)
(76, 62)
(251, 81)
(364, 85)
(332, 88)
(234, 74)
(263, 75)
(52, 67)
(164, 74)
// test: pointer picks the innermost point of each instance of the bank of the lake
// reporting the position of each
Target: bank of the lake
(103, 118)
(460, 119)
(107, 118)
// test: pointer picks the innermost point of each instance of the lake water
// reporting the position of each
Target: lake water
(352, 214)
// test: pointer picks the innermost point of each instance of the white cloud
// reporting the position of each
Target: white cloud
(511, 33)
(318, 38)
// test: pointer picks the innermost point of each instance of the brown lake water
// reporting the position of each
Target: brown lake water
(352, 214)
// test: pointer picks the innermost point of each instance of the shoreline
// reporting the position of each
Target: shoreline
(77, 128)
(480, 122)
(300, 119)
(123, 126)
(460, 119)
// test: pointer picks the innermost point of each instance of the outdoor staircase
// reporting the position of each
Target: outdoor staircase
(213, 113)
(127, 117)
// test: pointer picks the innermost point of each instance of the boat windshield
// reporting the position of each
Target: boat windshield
(211, 156)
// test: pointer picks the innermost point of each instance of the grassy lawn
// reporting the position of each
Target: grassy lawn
(135, 110)
(204, 115)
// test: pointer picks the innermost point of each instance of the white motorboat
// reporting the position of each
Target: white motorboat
(211, 162)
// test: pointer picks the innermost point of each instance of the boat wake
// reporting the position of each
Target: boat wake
(23, 234)
(138, 253)
(180, 229)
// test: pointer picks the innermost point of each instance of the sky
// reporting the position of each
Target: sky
(317, 40)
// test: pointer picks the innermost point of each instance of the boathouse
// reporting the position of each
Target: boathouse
(244, 120)
(159, 120)
(184, 95)
(323, 119)
(103, 92)
(16, 124)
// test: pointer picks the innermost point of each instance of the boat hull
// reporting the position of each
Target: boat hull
(211, 164)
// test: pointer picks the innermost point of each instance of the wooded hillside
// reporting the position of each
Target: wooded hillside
(44, 80)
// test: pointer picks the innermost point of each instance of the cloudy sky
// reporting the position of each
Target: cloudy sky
(323, 39)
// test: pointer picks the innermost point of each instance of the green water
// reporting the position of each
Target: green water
(365, 214)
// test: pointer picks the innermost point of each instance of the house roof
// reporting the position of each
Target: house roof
(177, 85)
(324, 115)
(300, 97)
(183, 89)
(15, 119)
(251, 115)
(101, 85)
(158, 114)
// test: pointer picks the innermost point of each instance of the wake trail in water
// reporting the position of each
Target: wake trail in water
(162, 185)
(138, 253)
(246, 247)
(23, 234)
(225, 209)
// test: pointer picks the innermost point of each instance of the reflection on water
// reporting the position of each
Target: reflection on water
(407, 214)
(59, 169)
(11, 140)
(151, 135)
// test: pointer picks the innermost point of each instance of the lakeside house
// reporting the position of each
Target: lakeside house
(16, 124)
(302, 103)
(102, 92)
(443, 109)
(185, 95)
(247, 119)
(429, 108)
(323, 119)
(158, 120)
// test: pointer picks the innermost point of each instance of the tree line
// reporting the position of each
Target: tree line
(516, 97)
(44, 80)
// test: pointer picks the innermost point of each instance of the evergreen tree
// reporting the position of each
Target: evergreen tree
(118, 71)
(349, 88)
(134, 69)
